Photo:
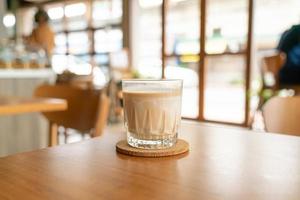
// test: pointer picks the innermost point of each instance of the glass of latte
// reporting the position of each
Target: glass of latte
(152, 112)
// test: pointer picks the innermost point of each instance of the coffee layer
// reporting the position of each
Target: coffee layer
(152, 114)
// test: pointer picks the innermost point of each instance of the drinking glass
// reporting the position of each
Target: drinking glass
(152, 112)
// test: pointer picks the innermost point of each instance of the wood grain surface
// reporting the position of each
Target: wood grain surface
(18, 105)
(223, 163)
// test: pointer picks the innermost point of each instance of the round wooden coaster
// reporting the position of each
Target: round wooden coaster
(180, 147)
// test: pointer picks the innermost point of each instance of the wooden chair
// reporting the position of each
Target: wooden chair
(87, 109)
(270, 67)
(82, 81)
(282, 115)
(269, 70)
(272, 64)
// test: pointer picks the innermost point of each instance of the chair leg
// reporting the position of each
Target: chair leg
(53, 134)
(102, 115)
(66, 135)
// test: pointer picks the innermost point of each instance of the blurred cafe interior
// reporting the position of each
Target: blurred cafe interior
(62, 63)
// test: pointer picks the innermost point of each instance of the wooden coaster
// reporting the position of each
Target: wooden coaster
(180, 147)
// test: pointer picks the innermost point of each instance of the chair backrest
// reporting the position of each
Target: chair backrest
(86, 107)
(272, 64)
(282, 115)
(83, 81)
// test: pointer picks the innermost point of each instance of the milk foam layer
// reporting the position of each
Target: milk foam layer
(152, 114)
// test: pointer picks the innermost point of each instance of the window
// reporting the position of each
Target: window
(182, 50)
(78, 43)
(56, 13)
(226, 39)
(148, 32)
(108, 40)
(75, 10)
(60, 43)
(272, 18)
(91, 43)
(107, 12)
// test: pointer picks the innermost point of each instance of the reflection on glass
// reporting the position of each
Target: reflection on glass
(73, 10)
(226, 26)
(108, 40)
(224, 98)
(78, 43)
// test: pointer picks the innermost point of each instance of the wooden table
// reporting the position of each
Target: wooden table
(223, 163)
(18, 105)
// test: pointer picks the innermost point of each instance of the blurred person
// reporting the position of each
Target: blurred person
(42, 35)
(289, 43)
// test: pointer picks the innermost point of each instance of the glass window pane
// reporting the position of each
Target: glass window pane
(146, 4)
(148, 44)
(76, 16)
(55, 13)
(71, 63)
(101, 59)
(60, 39)
(224, 98)
(78, 43)
(77, 23)
(101, 10)
(185, 69)
(272, 18)
(182, 31)
(224, 92)
(108, 40)
(183, 27)
(107, 12)
(226, 26)
(57, 26)
(74, 10)
(60, 43)
(60, 50)
(84, 58)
